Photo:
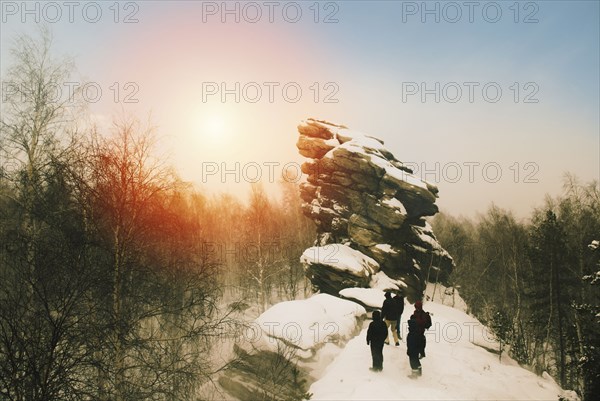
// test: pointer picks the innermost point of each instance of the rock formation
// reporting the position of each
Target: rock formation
(287, 347)
(369, 211)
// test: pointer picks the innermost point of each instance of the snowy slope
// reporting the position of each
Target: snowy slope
(457, 367)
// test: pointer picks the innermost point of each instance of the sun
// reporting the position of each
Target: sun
(214, 127)
(211, 126)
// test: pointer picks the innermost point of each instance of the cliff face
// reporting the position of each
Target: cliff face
(369, 211)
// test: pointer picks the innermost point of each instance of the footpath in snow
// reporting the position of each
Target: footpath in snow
(457, 367)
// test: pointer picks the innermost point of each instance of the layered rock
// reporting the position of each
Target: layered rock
(367, 205)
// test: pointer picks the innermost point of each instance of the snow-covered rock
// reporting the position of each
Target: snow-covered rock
(338, 264)
(289, 346)
(341, 257)
(373, 297)
(369, 297)
(360, 196)
(308, 324)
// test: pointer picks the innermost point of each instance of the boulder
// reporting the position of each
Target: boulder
(315, 147)
(281, 353)
(363, 199)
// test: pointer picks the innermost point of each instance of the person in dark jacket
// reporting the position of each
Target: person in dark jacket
(423, 322)
(376, 335)
(390, 312)
(413, 347)
(400, 300)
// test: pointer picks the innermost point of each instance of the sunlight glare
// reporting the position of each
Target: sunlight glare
(214, 127)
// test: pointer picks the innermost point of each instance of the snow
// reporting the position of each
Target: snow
(395, 204)
(332, 142)
(375, 295)
(382, 282)
(593, 278)
(368, 296)
(307, 323)
(385, 248)
(449, 296)
(425, 235)
(404, 176)
(341, 257)
(369, 148)
(569, 395)
(457, 367)
(355, 146)
(396, 173)
(316, 208)
(343, 135)
(339, 208)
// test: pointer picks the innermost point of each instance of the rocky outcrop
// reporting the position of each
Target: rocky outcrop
(288, 347)
(363, 199)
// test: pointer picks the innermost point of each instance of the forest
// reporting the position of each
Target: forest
(118, 279)
(535, 282)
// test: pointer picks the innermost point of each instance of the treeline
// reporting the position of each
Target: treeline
(536, 282)
(258, 244)
(113, 270)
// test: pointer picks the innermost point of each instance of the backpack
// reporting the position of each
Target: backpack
(423, 320)
(427, 320)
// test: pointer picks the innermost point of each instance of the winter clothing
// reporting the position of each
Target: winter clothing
(413, 339)
(377, 356)
(394, 333)
(400, 302)
(390, 312)
(414, 346)
(391, 309)
(422, 323)
(376, 335)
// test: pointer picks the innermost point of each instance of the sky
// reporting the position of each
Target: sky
(492, 101)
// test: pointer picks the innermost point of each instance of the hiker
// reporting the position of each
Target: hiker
(376, 335)
(400, 300)
(413, 347)
(390, 312)
(423, 322)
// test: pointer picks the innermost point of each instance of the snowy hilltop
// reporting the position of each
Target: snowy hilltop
(369, 212)
(316, 349)
(462, 363)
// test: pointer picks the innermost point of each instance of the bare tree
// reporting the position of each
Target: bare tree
(261, 254)
(42, 281)
(162, 305)
(37, 122)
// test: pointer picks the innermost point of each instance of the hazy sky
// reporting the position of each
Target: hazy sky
(494, 101)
